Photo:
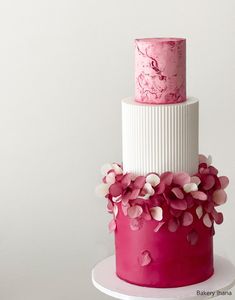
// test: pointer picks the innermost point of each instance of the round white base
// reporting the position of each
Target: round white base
(104, 279)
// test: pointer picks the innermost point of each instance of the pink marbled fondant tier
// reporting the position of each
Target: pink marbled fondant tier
(160, 70)
(162, 259)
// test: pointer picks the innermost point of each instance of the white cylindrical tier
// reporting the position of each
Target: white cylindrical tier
(160, 138)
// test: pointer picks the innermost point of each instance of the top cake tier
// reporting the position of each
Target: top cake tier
(160, 70)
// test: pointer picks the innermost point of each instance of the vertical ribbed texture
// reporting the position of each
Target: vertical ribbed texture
(159, 138)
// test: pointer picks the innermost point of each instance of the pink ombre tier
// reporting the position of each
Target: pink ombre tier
(160, 70)
(174, 261)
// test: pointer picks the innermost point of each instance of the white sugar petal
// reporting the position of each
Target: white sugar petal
(190, 187)
(153, 179)
(105, 168)
(102, 190)
(117, 169)
(148, 188)
(199, 211)
(110, 178)
(156, 213)
(115, 210)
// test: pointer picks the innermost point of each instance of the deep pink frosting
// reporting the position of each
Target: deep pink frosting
(160, 70)
(173, 261)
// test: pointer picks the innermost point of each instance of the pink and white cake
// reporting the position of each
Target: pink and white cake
(164, 196)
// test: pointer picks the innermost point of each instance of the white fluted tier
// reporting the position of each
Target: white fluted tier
(159, 138)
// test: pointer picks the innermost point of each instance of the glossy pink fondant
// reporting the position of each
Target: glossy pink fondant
(174, 261)
(160, 70)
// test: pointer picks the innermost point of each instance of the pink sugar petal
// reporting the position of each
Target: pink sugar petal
(199, 195)
(110, 206)
(147, 217)
(144, 258)
(134, 211)
(136, 224)
(126, 180)
(181, 178)
(159, 225)
(112, 225)
(217, 216)
(199, 211)
(173, 225)
(178, 204)
(178, 193)
(139, 182)
(187, 219)
(224, 181)
(202, 159)
(115, 189)
(207, 221)
(192, 237)
(134, 194)
(125, 208)
(166, 178)
(219, 197)
(213, 170)
(208, 182)
(209, 206)
(156, 213)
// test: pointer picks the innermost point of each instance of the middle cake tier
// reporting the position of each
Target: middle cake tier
(160, 138)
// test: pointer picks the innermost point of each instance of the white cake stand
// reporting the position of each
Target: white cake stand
(105, 280)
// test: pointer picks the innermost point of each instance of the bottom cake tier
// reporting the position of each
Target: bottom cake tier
(163, 259)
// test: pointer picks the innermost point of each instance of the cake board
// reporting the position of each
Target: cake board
(105, 279)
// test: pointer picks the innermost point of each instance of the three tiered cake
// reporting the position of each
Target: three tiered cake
(164, 197)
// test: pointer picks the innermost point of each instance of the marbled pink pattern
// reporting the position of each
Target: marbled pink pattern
(160, 70)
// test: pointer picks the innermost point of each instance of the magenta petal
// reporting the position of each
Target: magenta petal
(136, 224)
(176, 213)
(160, 188)
(115, 189)
(192, 237)
(166, 178)
(224, 181)
(178, 193)
(159, 225)
(139, 182)
(213, 170)
(178, 204)
(199, 195)
(173, 225)
(126, 180)
(181, 178)
(187, 219)
(219, 197)
(134, 211)
(112, 225)
(217, 216)
(208, 182)
(134, 194)
(144, 258)
(209, 206)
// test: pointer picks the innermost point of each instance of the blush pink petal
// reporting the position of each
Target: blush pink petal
(207, 221)
(178, 193)
(115, 189)
(136, 224)
(160, 188)
(181, 178)
(199, 195)
(187, 219)
(224, 181)
(134, 194)
(219, 197)
(144, 258)
(134, 211)
(126, 180)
